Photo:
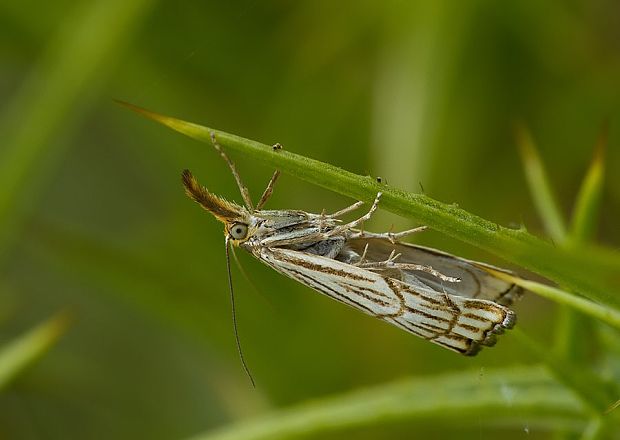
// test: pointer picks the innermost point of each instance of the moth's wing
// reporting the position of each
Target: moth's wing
(460, 324)
(457, 323)
(351, 285)
(475, 281)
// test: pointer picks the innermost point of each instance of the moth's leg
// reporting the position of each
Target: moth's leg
(267, 193)
(392, 236)
(390, 264)
(427, 269)
(362, 258)
(324, 217)
(242, 188)
(346, 210)
(268, 190)
(383, 264)
(355, 223)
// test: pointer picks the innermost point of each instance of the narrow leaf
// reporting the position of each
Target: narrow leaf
(19, 354)
(540, 187)
(587, 206)
(575, 334)
(608, 315)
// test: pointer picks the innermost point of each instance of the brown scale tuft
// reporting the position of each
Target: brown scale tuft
(223, 210)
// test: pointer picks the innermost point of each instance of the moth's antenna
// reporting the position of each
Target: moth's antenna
(242, 188)
(234, 316)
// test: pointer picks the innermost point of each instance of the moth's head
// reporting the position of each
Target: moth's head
(237, 219)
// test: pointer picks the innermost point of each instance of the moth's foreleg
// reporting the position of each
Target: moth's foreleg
(346, 210)
(269, 190)
(242, 188)
(391, 236)
(355, 223)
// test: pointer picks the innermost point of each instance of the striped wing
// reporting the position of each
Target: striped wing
(475, 281)
(457, 323)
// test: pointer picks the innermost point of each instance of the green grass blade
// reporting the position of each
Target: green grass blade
(503, 397)
(54, 95)
(587, 206)
(540, 186)
(606, 314)
(592, 272)
(575, 333)
(25, 350)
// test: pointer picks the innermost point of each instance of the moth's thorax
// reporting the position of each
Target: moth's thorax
(277, 219)
(282, 228)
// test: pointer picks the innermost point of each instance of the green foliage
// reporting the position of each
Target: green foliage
(540, 187)
(423, 94)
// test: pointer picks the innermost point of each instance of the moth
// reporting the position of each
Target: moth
(450, 301)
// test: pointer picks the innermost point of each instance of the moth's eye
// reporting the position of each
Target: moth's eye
(239, 231)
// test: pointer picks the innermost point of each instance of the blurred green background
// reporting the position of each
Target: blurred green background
(93, 218)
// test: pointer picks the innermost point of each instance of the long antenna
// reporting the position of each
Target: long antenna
(234, 316)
